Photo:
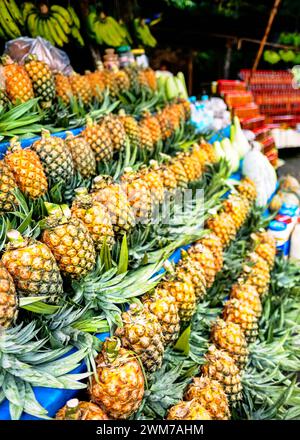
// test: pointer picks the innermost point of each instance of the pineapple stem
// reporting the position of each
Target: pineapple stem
(111, 348)
(71, 409)
(14, 236)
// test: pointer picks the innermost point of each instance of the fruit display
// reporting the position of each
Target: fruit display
(134, 266)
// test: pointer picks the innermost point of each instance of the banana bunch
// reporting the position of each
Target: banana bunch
(105, 30)
(11, 19)
(54, 23)
(143, 33)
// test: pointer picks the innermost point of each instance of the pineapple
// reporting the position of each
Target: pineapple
(4, 100)
(210, 394)
(256, 273)
(165, 126)
(223, 226)
(209, 150)
(81, 88)
(264, 236)
(27, 170)
(131, 127)
(154, 182)
(142, 333)
(239, 312)
(101, 182)
(220, 366)
(99, 140)
(8, 185)
(116, 130)
(247, 189)
(153, 125)
(164, 307)
(267, 253)
(201, 156)
(70, 241)
(203, 255)
(187, 108)
(115, 201)
(188, 267)
(138, 195)
(82, 154)
(97, 84)
(55, 157)
(145, 138)
(75, 410)
(32, 267)
(183, 292)
(121, 82)
(214, 244)
(17, 81)
(63, 87)
(167, 176)
(95, 217)
(176, 167)
(230, 337)
(8, 299)
(42, 78)
(172, 114)
(188, 165)
(151, 78)
(238, 207)
(247, 294)
(191, 410)
(118, 387)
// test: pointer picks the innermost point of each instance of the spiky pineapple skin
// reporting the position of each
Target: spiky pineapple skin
(154, 182)
(182, 290)
(153, 125)
(33, 269)
(247, 189)
(82, 155)
(191, 410)
(28, 172)
(256, 273)
(220, 366)
(81, 88)
(203, 255)
(138, 195)
(165, 308)
(247, 294)
(214, 244)
(42, 79)
(131, 127)
(194, 270)
(238, 207)
(142, 333)
(176, 167)
(18, 83)
(119, 386)
(210, 395)
(71, 245)
(242, 314)
(95, 218)
(8, 185)
(115, 201)
(8, 298)
(83, 411)
(145, 138)
(55, 157)
(97, 84)
(99, 139)
(116, 131)
(63, 87)
(230, 337)
(223, 226)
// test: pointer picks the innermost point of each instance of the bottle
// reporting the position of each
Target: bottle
(295, 243)
(281, 231)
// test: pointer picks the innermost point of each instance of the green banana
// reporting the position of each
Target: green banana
(74, 16)
(27, 7)
(112, 32)
(45, 32)
(58, 30)
(125, 32)
(62, 22)
(51, 24)
(14, 11)
(7, 22)
(76, 34)
(2, 33)
(98, 32)
(91, 20)
(32, 24)
(63, 13)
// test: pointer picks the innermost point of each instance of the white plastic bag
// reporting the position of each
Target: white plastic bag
(57, 59)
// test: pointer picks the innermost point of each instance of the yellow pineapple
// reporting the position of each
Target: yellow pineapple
(98, 138)
(63, 87)
(191, 410)
(204, 256)
(118, 387)
(214, 244)
(18, 84)
(247, 189)
(42, 79)
(75, 410)
(239, 312)
(81, 88)
(8, 186)
(222, 224)
(8, 299)
(82, 154)
(248, 294)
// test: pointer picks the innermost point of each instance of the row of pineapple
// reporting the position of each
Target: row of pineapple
(149, 328)
(19, 83)
(51, 159)
(72, 237)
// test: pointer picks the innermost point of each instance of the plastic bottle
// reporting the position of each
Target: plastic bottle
(281, 231)
(295, 243)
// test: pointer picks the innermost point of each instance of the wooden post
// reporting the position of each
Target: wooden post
(265, 37)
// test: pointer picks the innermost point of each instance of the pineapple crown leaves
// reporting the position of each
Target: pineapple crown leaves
(166, 389)
(26, 361)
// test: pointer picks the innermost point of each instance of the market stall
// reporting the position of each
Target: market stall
(145, 239)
